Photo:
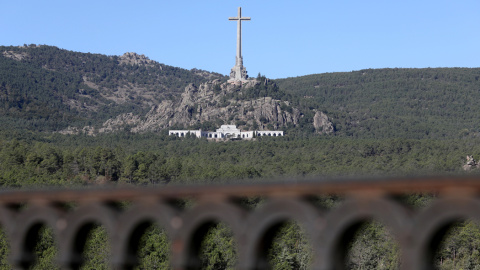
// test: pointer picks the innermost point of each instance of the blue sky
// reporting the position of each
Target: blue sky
(283, 39)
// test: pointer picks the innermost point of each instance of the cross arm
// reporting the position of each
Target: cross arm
(236, 18)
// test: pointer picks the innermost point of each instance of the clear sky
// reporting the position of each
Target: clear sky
(283, 39)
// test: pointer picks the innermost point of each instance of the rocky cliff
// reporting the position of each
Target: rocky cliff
(218, 103)
(322, 123)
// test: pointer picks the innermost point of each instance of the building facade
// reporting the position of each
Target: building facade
(225, 132)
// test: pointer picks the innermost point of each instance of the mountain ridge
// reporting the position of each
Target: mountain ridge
(84, 85)
(408, 103)
(47, 89)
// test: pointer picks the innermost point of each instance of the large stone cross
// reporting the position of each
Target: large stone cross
(239, 72)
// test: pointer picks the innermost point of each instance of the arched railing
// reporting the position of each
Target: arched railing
(416, 231)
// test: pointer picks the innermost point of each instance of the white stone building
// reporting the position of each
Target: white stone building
(268, 133)
(225, 132)
(183, 133)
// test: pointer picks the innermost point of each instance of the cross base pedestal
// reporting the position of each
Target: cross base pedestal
(238, 73)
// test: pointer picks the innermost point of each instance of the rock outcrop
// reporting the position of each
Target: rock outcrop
(88, 130)
(15, 55)
(470, 164)
(120, 122)
(132, 58)
(322, 124)
(218, 103)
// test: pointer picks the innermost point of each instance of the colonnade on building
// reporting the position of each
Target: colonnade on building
(225, 132)
(268, 133)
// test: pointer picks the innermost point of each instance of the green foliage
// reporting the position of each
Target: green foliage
(217, 250)
(373, 247)
(96, 253)
(45, 250)
(460, 248)
(154, 160)
(290, 248)
(264, 88)
(4, 251)
(154, 249)
(393, 103)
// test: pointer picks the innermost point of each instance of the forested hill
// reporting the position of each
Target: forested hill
(400, 103)
(44, 88)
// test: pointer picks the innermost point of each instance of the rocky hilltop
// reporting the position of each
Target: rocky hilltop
(214, 102)
(47, 89)
(44, 88)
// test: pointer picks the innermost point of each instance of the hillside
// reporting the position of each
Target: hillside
(256, 105)
(44, 88)
(395, 103)
(47, 89)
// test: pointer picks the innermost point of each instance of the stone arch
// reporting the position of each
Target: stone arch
(7, 221)
(186, 237)
(274, 134)
(133, 224)
(431, 225)
(262, 224)
(331, 246)
(80, 222)
(28, 224)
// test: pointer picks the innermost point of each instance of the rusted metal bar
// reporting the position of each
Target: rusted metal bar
(285, 188)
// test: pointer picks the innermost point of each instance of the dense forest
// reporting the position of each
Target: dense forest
(162, 159)
(159, 160)
(400, 103)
